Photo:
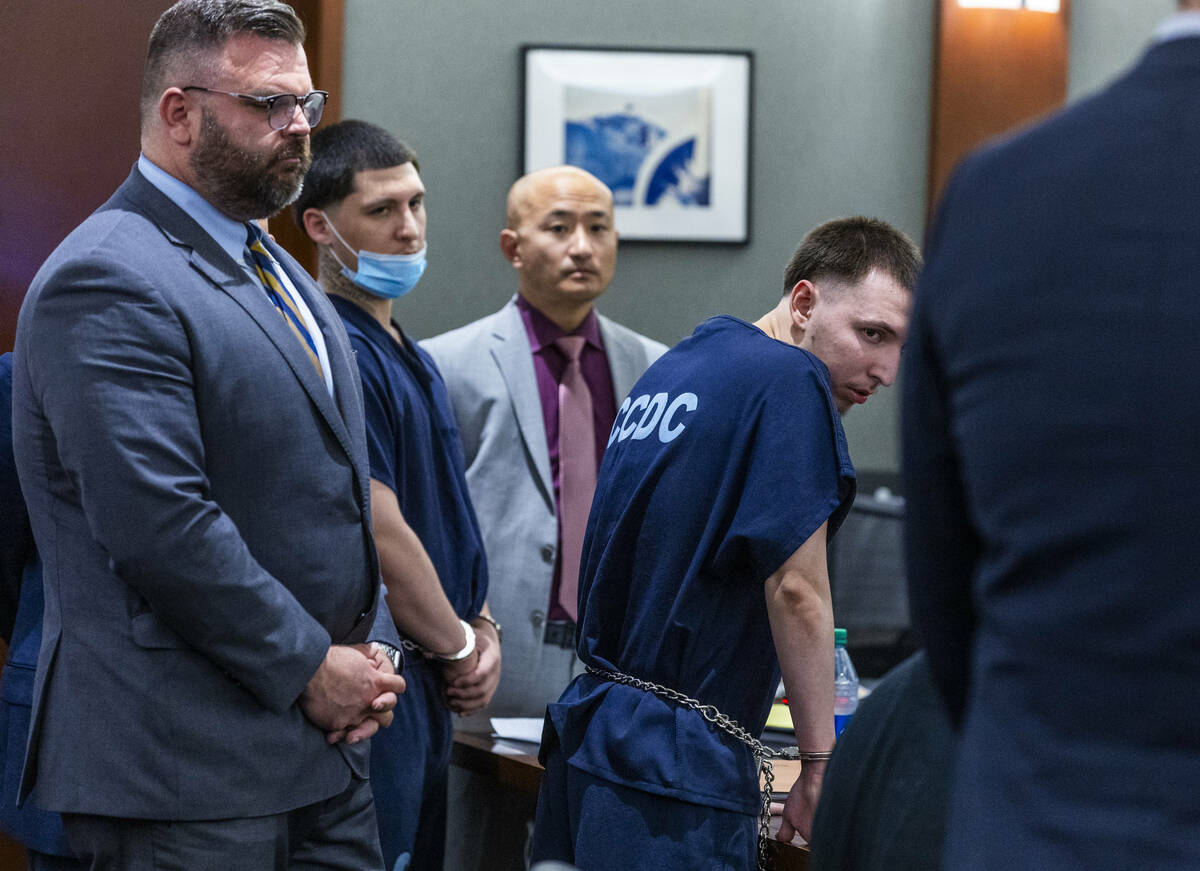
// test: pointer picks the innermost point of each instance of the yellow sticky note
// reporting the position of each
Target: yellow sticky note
(780, 717)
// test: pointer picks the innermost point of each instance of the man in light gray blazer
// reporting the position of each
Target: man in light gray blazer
(189, 438)
(502, 374)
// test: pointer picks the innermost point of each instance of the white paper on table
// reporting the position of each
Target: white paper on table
(518, 728)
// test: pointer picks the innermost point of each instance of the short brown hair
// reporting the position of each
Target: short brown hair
(193, 30)
(847, 249)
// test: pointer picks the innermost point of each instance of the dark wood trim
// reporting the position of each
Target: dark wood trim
(325, 20)
(994, 70)
(514, 764)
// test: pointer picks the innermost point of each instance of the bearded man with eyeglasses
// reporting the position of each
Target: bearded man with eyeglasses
(189, 437)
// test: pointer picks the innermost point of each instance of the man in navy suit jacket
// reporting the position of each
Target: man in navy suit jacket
(1052, 468)
(189, 436)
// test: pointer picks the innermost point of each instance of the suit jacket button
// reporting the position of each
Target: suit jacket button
(538, 617)
(547, 553)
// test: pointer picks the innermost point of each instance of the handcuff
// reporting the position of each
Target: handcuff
(487, 618)
(467, 650)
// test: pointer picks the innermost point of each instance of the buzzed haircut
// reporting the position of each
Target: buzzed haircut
(341, 151)
(847, 249)
(195, 30)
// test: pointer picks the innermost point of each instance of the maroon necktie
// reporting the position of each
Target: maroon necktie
(576, 468)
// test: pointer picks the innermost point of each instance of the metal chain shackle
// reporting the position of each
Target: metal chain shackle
(762, 753)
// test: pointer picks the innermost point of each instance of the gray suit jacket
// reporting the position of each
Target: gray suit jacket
(200, 504)
(488, 369)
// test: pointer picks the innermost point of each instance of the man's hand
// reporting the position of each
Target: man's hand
(802, 803)
(451, 671)
(381, 706)
(352, 693)
(470, 692)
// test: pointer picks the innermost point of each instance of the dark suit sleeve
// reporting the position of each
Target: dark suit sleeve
(114, 377)
(16, 539)
(383, 628)
(942, 546)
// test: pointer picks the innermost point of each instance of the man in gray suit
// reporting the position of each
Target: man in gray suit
(503, 374)
(189, 438)
(561, 241)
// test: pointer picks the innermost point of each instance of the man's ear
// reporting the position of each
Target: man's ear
(803, 298)
(316, 226)
(509, 243)
(181, 124)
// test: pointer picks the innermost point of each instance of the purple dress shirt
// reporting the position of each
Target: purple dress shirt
(548, 365)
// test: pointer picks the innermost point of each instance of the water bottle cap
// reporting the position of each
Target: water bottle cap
(839, 637)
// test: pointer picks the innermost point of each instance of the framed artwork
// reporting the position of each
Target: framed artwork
(668, 131)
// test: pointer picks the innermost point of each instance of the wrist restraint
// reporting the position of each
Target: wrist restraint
(763, 755)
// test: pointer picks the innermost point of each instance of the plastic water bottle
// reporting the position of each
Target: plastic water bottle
(845, 683)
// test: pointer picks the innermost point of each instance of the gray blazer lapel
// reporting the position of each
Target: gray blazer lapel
(626, 361)
(343, 369)
(253, 299)
(211, 261)
(347, 387)
(510, 350)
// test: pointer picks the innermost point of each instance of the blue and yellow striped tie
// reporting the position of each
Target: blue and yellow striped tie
(264, 264)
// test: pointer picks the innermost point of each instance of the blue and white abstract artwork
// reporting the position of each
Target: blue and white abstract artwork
(650, 149)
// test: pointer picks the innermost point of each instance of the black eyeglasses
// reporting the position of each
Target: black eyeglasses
(281, 108)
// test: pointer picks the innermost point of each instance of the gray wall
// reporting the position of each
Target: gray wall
(841, 122)
(1107, 36)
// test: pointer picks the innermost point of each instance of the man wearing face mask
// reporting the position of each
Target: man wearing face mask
(364, 205)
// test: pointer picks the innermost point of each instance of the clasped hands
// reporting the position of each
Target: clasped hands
(352, 694)
(470, 684)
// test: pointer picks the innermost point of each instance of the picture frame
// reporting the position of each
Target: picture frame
(668, 130)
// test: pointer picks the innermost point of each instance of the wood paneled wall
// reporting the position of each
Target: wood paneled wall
(324, 20)
(994, 69)
(70, 126)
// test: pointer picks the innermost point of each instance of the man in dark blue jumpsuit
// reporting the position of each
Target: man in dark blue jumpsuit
(364, 205)
(725, 473)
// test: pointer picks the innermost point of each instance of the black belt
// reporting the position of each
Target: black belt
(560, 633)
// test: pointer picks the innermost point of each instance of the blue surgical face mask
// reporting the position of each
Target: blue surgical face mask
(388, 276)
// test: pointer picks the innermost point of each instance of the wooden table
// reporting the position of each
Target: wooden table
(514, 764)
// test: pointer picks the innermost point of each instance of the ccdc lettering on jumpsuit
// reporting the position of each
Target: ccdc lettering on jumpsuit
(658, 413)
(685, 526)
